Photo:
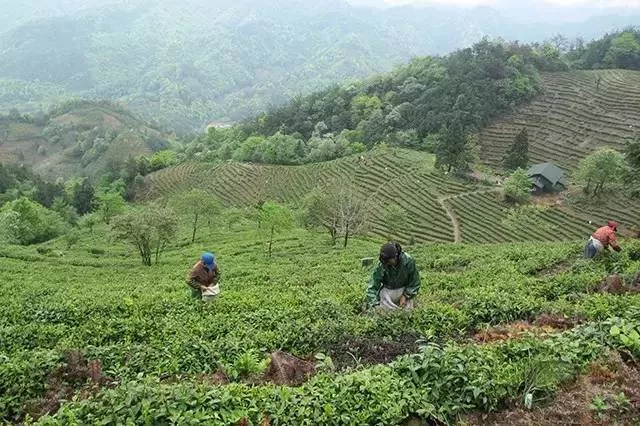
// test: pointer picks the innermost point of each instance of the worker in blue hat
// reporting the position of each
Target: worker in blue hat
(203, 278)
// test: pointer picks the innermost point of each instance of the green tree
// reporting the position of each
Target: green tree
(275, 218)
(518, 154)
(88, 221)
(317, 213)
(110, 204)
(149, 229)
(231, 217)
(395, 220)
(600, 169)
(517, 188)
(66, 211)
(196, 204)
(30, 222)
(338, 208)
(83, 197)
(632, 176)
(624, 51)
(452, 149)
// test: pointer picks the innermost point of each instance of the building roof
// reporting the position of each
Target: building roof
(550, 172)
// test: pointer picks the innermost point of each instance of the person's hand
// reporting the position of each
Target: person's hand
(403, 301)
(203, 287)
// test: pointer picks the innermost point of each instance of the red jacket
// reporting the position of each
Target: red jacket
(607, 236)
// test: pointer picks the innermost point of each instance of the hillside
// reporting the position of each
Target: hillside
(440, 208)
(571, 117)
(77, 139)
(224, 61)
(106, 340)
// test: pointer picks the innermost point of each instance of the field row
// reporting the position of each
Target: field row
(571, 118)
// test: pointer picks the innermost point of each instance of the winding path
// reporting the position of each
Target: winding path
(457, 234)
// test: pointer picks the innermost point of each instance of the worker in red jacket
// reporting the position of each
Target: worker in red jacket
(601, 240)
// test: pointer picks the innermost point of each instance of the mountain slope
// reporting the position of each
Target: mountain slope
(189, 63)
(439, 208)
(79, 138)
(571, 118)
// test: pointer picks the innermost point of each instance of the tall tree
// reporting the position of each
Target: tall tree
(110, 204)
(452, 149)
(603, 167)
(339, 209)
(274, 218)
(632, 177)
(83, 197)
(149, 230)
(196, 204)
(518, 154)
(517, 187)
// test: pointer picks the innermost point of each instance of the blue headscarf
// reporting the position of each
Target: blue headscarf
(209, 259)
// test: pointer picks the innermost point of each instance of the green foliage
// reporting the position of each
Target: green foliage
(395, 219)
(162, 351)
(518, 154)
(196, 203)
(517, 188)
(83, 197)
(605, 167)
(632, 177)
(465, 91)
(452, 152)
(66, 211)
(110, 204)
(624, 51)
(275, 218)
(27, 222)
(149, 229)
(231, 217)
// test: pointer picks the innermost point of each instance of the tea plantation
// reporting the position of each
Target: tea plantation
(89, 336)
(439, 208)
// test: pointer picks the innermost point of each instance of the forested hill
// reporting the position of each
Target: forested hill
(79, 138)
(185, 64)
(429, 104)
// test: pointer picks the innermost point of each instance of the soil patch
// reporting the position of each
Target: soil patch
(615, 284)
(286, 369)
(558, 322)
(543, 325)
(217, 378)
(76, 375)
(359, 350)
(608, 394)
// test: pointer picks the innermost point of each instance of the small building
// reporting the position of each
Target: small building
(545, 178)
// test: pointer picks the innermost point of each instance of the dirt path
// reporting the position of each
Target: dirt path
(457, 234)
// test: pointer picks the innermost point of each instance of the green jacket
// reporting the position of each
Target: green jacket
(404, 276)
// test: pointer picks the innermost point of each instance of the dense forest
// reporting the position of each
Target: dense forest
(223, 61)
(416, 105)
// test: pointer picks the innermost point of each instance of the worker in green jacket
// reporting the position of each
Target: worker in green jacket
(395, 282)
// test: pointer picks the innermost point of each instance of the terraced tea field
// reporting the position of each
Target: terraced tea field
(572, 118)
(100, 339)
(440, 208)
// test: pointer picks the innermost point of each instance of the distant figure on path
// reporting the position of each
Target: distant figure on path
(395, 282)
(203, 278)
(598, 81)
(601, 240)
